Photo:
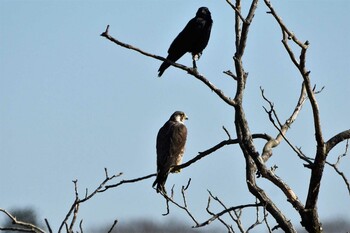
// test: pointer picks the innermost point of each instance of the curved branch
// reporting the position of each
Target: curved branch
(267, 150)
(77, 201)
(335, 140)
(127, 181)
(216, 216)
(335, 166)
(188, 163)
(341, 174)
(184, 206)
(216, 147)
(191, 71)
(28, 226)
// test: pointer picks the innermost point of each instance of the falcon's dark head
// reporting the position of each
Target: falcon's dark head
(203, 12)
(179, 116)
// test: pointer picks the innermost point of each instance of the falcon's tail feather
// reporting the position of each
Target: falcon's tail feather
(160, 182)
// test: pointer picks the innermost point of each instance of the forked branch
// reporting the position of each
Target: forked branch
(283, 128)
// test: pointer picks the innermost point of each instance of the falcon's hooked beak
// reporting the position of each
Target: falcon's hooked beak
(185, 117)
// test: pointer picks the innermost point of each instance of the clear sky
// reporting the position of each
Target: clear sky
(73, 103)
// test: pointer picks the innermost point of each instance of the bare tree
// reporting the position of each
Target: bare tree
(255, 160)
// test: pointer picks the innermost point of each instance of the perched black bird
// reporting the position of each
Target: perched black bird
(171, 140)
(193, 38)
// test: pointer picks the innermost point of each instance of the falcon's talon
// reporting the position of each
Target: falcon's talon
(176, 171)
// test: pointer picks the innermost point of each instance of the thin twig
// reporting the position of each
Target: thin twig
(257, 221)
(266, 222)
(226, 131)
(126, 181)
(229, 227)
(81, 226)
(238, 12)
(183, 207)
(48, 225)
(226, 211)
(335, 166)
(113, 225)
(229, 73)
(236, 212)
(75, 206)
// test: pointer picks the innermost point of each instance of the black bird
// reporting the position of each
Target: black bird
(171, 140)
(193, 38)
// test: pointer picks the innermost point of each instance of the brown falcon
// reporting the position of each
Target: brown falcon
(171, 140)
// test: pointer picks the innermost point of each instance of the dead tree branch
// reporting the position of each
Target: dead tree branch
(335, 166)
(283, 128)
(238, 213)
(189, 70)
(216, 147)
(310, 218)
(126, 182)
(48, 225)
(113, 225)
(229, 227)
(216, 216)
(335, 140)
(237, 10)
(257, 220)
(253, 160)
(183, 206)
(77, 201)
(27, 227)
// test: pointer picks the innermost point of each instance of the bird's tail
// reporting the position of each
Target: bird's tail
(162, 68)
(171, 57)
(160, 182)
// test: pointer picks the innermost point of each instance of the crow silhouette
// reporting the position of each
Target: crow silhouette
(193, 38)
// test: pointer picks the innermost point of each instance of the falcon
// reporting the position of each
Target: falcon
(193, 38)
(171, 140)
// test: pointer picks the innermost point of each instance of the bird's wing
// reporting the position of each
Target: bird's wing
(163, 145)
(171, 140)
(177, 142)
(181, 43)
(200, 35)
(178, 47)
(193, 38)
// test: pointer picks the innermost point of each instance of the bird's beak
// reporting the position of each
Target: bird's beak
(186, 117)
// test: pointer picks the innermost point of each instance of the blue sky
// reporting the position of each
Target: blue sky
(72, 103)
